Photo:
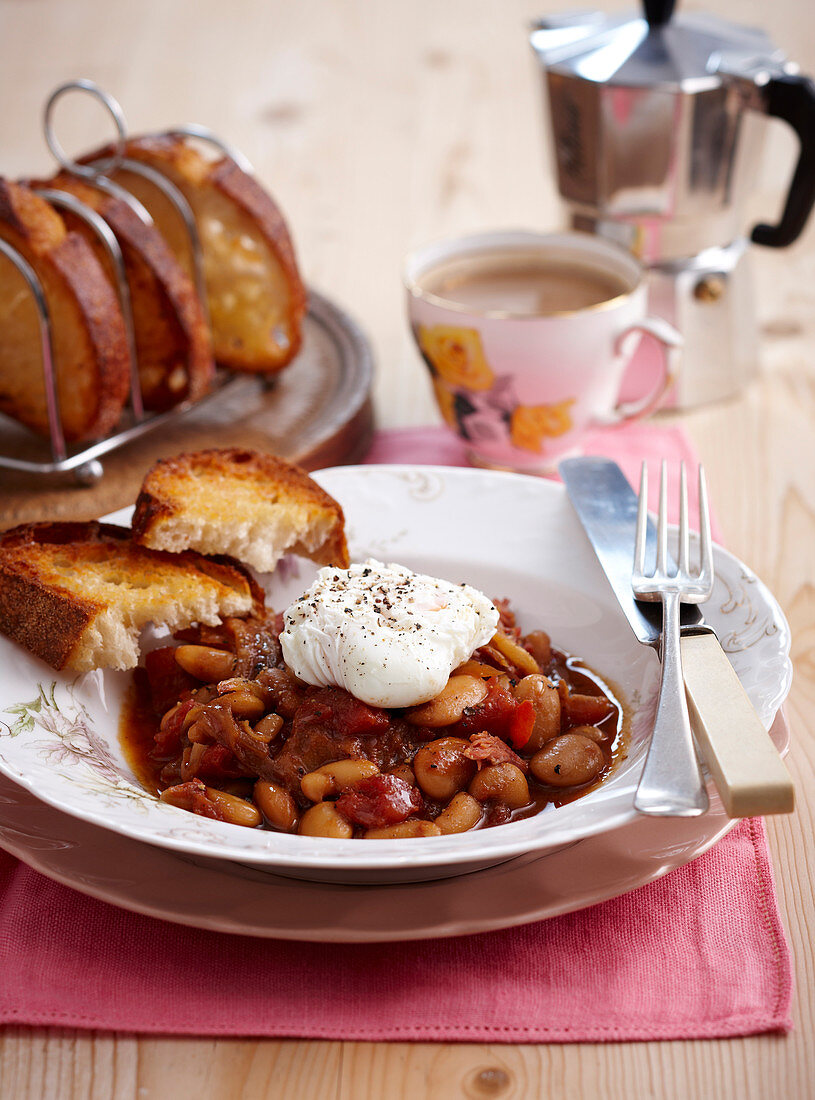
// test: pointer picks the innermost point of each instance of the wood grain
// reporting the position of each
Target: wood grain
(380, 126)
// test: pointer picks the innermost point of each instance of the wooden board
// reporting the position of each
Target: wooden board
(317, 412)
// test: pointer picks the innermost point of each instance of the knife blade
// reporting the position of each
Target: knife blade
(746, 767)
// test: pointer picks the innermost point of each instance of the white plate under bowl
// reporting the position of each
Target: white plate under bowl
(509, 535)
(230, 897)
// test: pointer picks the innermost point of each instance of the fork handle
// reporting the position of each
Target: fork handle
(671, 784)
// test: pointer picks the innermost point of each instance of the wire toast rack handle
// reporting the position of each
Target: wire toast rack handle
(84, 463)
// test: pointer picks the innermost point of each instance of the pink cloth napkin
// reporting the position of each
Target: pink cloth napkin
(629, 445)
(700, 953)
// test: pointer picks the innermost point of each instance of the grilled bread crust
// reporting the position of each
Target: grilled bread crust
(252, 506)
(173, 343)
(255, 296)
(76, 595)
(91, 359)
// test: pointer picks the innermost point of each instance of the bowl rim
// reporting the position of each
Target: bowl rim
(476, 847)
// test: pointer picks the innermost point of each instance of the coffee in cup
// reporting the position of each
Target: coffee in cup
(519, 284)
(527, 337)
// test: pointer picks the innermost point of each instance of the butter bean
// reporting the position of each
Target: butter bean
(515, 653)
(442, 769)
(545, 698)
(276, 805)
(448, 706)
(568, 761)
(205, 663)
(269, 726)
(322, 819)
(478, 668)
(594, 733)
(237, 811)
(244, 704)
(404, 772)
(462, 812)
(501, 783)
(335, 777)
(405, 829)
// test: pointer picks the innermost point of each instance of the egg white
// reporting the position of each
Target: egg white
(387, 635)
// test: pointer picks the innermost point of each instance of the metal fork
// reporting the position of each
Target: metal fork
(671, 784)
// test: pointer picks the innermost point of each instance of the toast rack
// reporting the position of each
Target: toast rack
(83, 460)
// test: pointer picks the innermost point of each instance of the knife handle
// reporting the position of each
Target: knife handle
(747, 769)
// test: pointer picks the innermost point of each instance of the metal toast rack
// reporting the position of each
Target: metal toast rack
(83, 461)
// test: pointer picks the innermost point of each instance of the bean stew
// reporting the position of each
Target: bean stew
(218, 725)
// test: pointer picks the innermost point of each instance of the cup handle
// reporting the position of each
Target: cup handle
(670, 341)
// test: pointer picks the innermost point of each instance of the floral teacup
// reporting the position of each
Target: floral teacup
(523, 386)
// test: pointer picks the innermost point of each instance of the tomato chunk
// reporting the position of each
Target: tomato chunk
(379, 800)
(168, 681)
(167, 738)
(522, 724)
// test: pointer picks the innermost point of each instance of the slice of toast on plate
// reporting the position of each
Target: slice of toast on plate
(252, 506)
(255, 296)
(91, 358)
(78, 594)
(173, 344)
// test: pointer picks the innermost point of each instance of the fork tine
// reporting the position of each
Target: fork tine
(642, 522)
(705, 543)
(662, 525)
(684, 552)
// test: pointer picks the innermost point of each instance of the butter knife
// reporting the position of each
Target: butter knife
(746, 767)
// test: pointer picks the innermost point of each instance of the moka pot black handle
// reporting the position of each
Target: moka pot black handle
(792, 98)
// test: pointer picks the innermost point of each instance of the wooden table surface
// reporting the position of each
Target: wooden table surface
(379, 125)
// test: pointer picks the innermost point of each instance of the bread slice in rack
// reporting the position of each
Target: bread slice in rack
(77, 594)
(91, 358)
(253, 506)
(255, 296)
(173, 344)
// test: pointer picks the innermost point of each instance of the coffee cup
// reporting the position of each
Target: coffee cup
(527, 337)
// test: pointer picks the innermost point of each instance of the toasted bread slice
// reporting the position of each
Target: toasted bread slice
(252, 506)
(173, 344)
(255, 296)
(91, 357)
(77, 594)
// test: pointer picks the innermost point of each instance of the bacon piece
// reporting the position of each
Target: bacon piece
(506, 616)
(379, 800)
(192, 796)
(485, 747)
(219, 636)
(493, 656)
(496, 813)
(282, 691)
(256, 644)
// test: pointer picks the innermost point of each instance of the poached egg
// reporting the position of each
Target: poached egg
(387, 635)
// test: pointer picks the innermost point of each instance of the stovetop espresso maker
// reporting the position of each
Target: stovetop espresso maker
(658, 136)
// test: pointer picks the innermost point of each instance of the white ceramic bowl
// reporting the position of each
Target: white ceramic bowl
(509, 535)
